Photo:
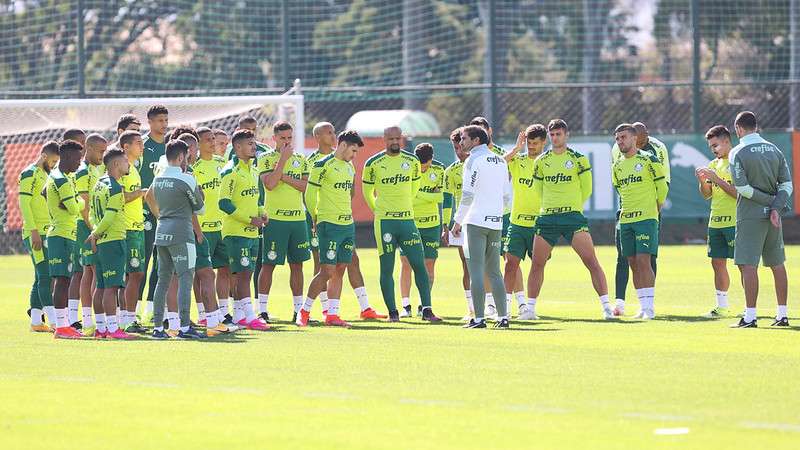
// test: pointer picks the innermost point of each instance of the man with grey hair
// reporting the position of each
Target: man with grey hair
(763, 181)
(178, 198)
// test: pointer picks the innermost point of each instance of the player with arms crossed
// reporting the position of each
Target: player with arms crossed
(639, 179)
(563, 179)
(716, 185)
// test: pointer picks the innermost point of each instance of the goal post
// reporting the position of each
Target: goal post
(25, 125)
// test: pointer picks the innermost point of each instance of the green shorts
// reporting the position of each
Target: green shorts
(431, 240)
(336, 243)
(639, 237)
(84, 249)
(552, 226)
(242, 253)
(59, 256)
(134, 242)
(519, 241)
(285, 240)
(393, 234)
(110, 264)
(313, 240)
(37, 256)
(757, 239)
(721, 242)
(211, 253)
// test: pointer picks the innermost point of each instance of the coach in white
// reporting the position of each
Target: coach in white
(486, 193)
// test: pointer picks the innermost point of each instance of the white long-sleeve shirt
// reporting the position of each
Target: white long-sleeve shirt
(486, 190)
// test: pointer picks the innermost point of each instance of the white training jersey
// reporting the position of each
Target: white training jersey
(486, 190)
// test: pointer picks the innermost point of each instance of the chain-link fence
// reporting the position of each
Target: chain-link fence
(678, 65)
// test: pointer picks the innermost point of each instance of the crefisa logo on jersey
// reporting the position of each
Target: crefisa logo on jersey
(569, 164)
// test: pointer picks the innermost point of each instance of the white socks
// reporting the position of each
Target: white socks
(101, 323)
(223, 305)
(531, 305)
(406, 301)
(520, 298)
(61, 318)
(36, 316)
(172, 320)
(604, 300)
(112, 323)
(87, 317)
(323, 299)
(212, 319)
(470, 307)
(238, 311)
(263, 303)
(201, 311)
(490, 300)
(333, 307)
(247, 307)
(749, 314)
(781, 312)
(646, 298)
(298, 302)
(361, 295)
(722, 299)
(50, 312)
(72, 306)
(307, 304)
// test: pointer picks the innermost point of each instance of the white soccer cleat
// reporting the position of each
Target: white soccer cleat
(608, 313)
(491, 313)
(649, 314)
(527, 313)
(404, 313)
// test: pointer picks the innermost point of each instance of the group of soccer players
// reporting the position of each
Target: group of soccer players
(220, 213)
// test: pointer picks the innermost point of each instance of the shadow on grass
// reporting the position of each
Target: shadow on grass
(354, 326)
(574, 319)
(679, 318)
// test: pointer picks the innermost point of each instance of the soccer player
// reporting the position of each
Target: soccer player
(329, 199)
(154, 148)
(427, 218)
(517, 284)
(524, 210)
(108, 241)
(74, 134)
(35, 221)
(451, 199)
(563, 179)
(251, 124)
(639, 179)
(90, 170)
(325, 134)
(126, 122)
(73, 293)
(178, 198)
(394, 176)
(486, 193)
(211, 254)
(238, 199)
(284, 174)
(221, 140)
(716, 185)
(764, 183)
(64, 207)
(131, 144)
(651, 145)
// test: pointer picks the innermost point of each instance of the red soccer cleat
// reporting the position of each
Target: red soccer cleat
(67, 333)
(257, 325)
(202, 323)
(336, 321)
(370, 313)
(119, 334)
(303, 317)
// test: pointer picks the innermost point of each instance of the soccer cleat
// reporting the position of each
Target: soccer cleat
(467, 318)
(406, 311)
(256, 324)
(218, 330)
(99, 334)
(145, 318)
(717, 313)
(89, 331)
(650, 314)
(191, 334)
(475, 324)
(119, 334)
(782, 322)
(490, 312)
(160, 335)
(370, 313)
(67, 333)
(228, 317)
(394, 316)
(302, 319)
(608, 314)
(264, 316)
(336, 321)
(172, 333)
(428, 315)
(202, 323)
(165, 323)
(135, 328)
(502, 323)
(77, 325)
(619, 311)
(419, 310)
(745, 324)
(41, 328)
(527, 313)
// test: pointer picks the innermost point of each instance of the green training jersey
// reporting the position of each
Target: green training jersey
(153, 151)
(207, 174)
(723, 206)
(284, 202)
(453, 179)
(527, 202)
(329, 195)
(396, 181)
(429, 198)
(63, 204)
(641, 185)
(32, 202)
(654, 147)
(85, 178)
(134, 210)
(316, 156)
(563, 181)
(238, 198)
(107, 203)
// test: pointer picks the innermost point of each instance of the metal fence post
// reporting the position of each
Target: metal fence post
(794, 62)
(81, 52)
(285, 66)
(697, 97)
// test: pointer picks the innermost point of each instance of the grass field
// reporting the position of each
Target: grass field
(569, 380)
